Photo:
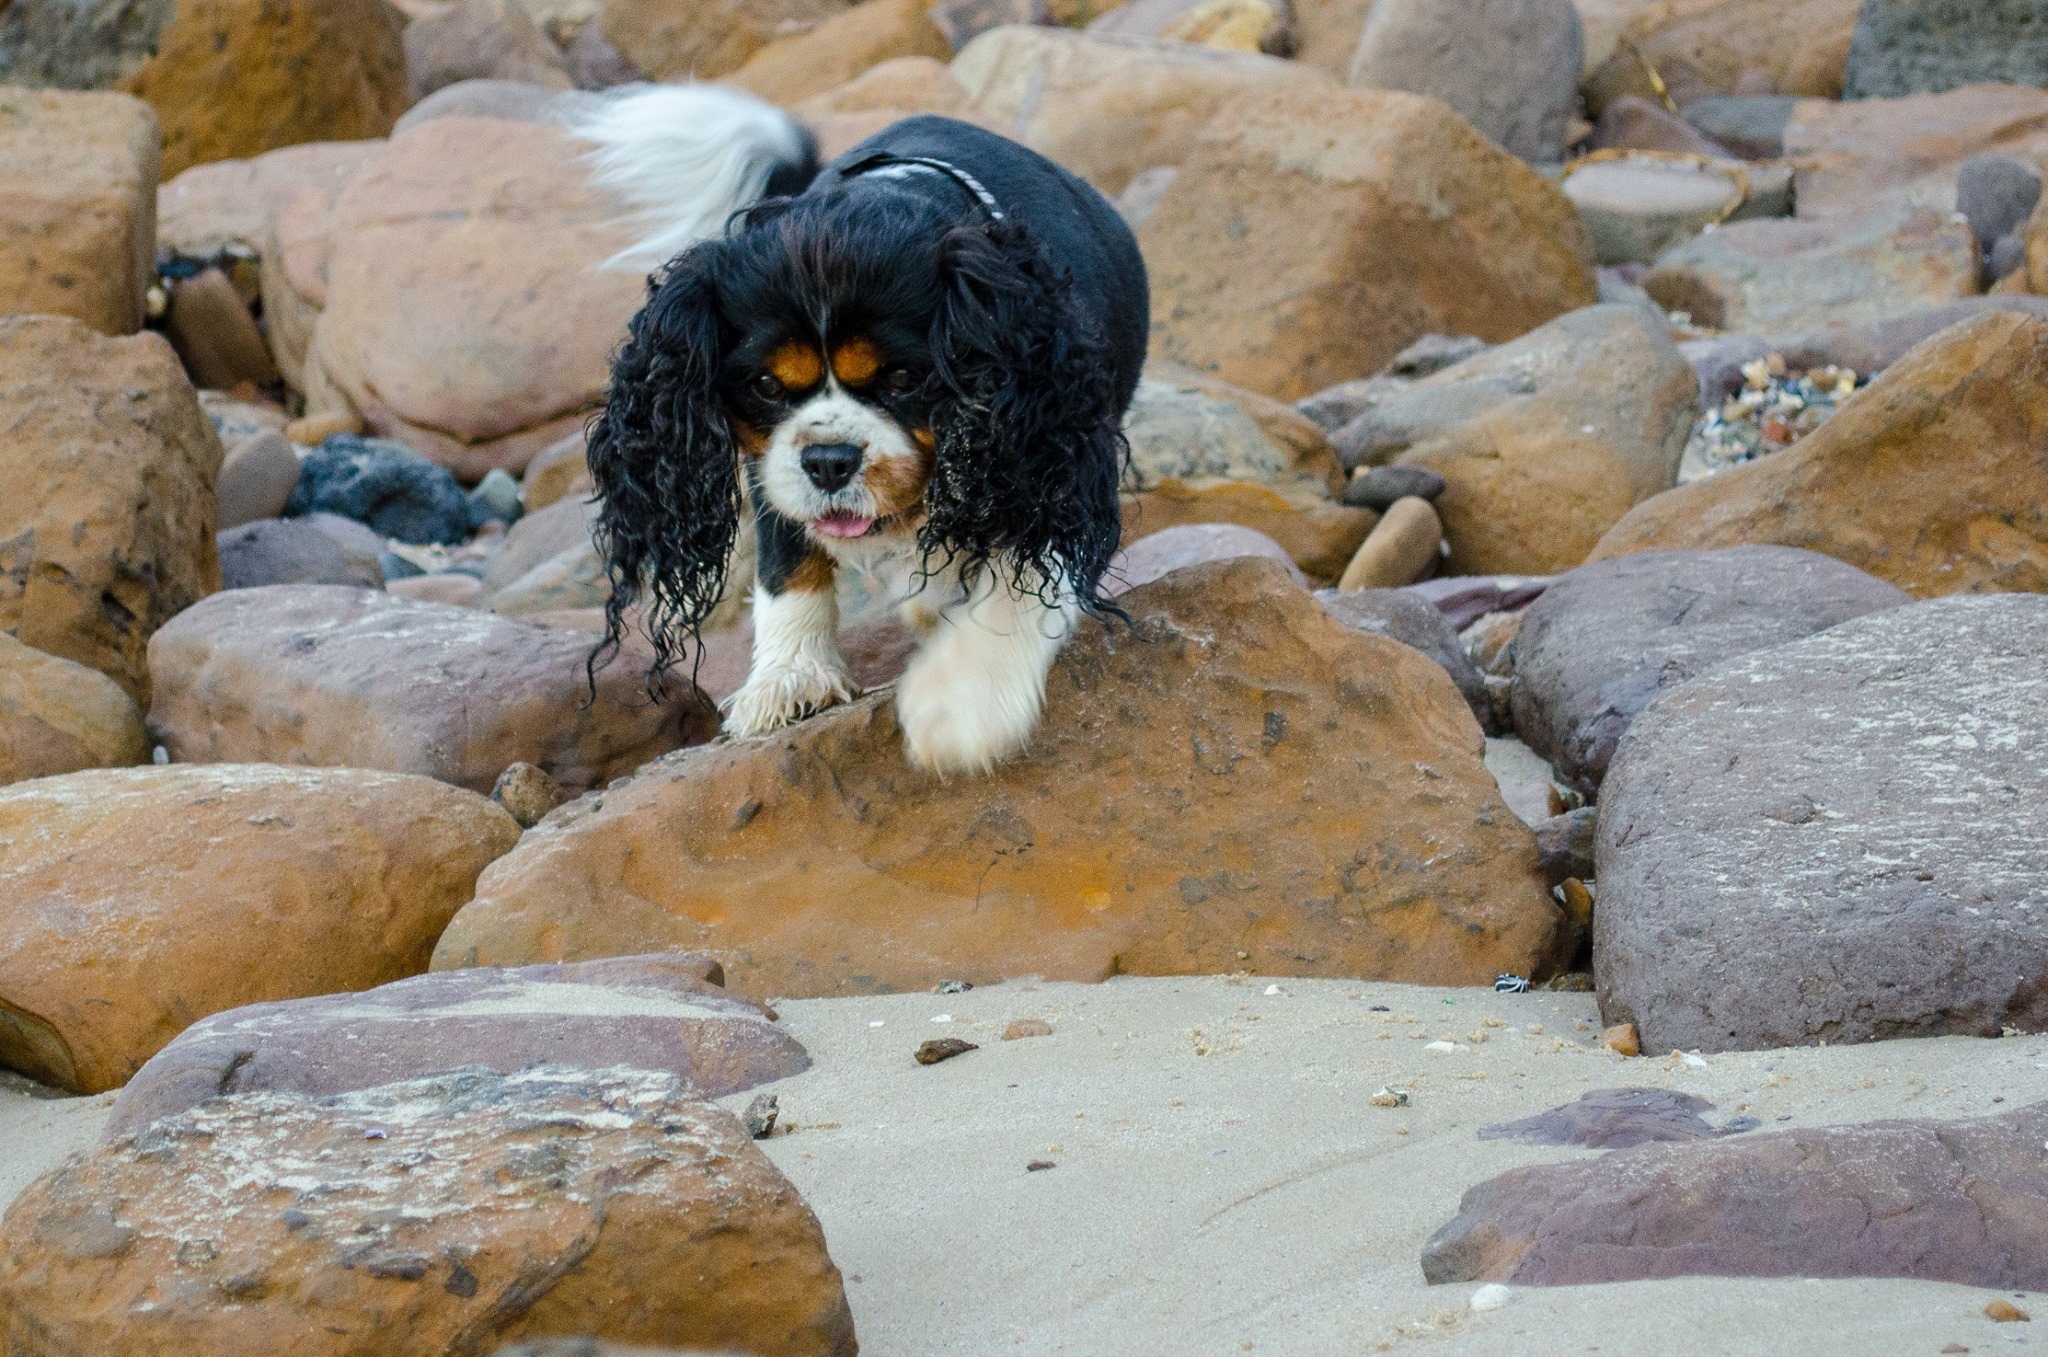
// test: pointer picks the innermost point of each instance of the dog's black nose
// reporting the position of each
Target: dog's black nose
(831, 465)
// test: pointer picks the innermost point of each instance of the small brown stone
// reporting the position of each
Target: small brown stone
(1622, 1039)
(943, 1048)
(216, 338)
(1027, 1027)
(2005, 1312)
(529, 794)
(1399, 550)
(759, 1118)
(1578, 907)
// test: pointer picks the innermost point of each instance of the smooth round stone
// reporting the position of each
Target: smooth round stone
(1378, 487)
(1635, 210)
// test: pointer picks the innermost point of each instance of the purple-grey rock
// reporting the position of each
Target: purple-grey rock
(1617, 1119)
(289, 551)
(1836, 840)
(1869, 347)
(1606, 638)
(1464, 599)
(1154, 555)
(1751, 125)
(1996, 194)
(1567, 843)
(1402, 616)
(1378, 487)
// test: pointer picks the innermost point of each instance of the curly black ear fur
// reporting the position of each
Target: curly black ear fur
(1030, 443)
(665, 460)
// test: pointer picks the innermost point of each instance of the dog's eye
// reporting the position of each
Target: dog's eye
(767, 386)
(899, 381)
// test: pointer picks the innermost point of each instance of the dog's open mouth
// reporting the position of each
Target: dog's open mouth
(840, 523)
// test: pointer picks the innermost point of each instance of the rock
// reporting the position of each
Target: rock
(2003, 1311)
(1508, 67)
(1402, 547)
(1635, 210)
(143, 899)
(1925, 47)
(289, 551)
(557, 472)
(455, 588)
(1860, 157)
(657, 1013)
(1377, 488)
(595, 64)
(1253, 25)
(1850, 806)
(444, 1214)
(527, 793)
(1611, 1119)
(215, 336)
(1702, 48)
(1543, 443)
(230, 205)
(540, 536)
(1622, 1040)
(962, 21)
(58, 717)
(1464, 599)
(1874, 345)
(1948, 439)
(1157, 554)
(578, 579)
(942, 1049)
(1787, 277)
(87, 44)
(1996, 194)
(903, 85)
(481, 40)
(1634, 123)
(496, 497)
(1024, 1028)
(519, 101)
(701, 42)
(1108, 106)
(106, 529)
(794, 68)
(382, 484)
(2005, 263)
(1750, 125)
(1315, 535)
(1178, 431)
(1407, 865)
(1953, 1201)
(1607, 638)
(330, 677)
(363, 547)
(466, 314)
(1348, 272)
(1718, 362)
(1567, 842)
(257, 477)
(1401, 616)
(77, 204)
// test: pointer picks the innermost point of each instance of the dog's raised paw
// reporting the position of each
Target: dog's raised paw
(774, 698)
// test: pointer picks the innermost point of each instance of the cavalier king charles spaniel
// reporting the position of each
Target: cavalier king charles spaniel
(918, 358)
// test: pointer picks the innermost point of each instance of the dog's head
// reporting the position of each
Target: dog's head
(868, 368)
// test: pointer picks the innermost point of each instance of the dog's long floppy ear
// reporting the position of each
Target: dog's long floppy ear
(1029, 440)
(665, 460)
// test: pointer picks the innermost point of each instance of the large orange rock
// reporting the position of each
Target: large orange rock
(1312, 234)
(466, 312)
(139, 900)
(1935, 477)
(1107, 106)
(1860, 156)
(59, 717)
(670, 41)
(1318, 536)
(789, 70)
(77, 206)
(1239, 782)
(1706, 47)
(441, 1215)
(107, 521)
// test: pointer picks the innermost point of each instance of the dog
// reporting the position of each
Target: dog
(916, 359)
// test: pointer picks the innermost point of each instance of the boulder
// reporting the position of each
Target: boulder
(257, 477)
(77, 205)
(557, 472)
(59, 717)
(1701, 48)
(1952, 439)
(1157, 827)
(1616, 1119)
(1179, 431)
(1861, 156)
(1948, 1201)
(1996, 194)
(1228, 25)
(789, 70)
(466, 314)
(539, 537)
(79, 44)
(1508, 67)
(1406, 545)
(290, 205)
(664, 1013)
(106, 529)
(232, 204)
(1750, 125)
(1403, 223)
(1635, 209)
(1607, 638)
(1327, 32)
(1107, 106)
(1906, 47)
(1402, 616)
(674, 42)
(216, 337)
(1543, 443)
(1316, 535)
(331, 677)
(1831, 840)
(1871, 346)
(142, 899)
(1377, 488)
(290, 551)
(1158, 554)
(444, 1215)
(481, 40)
(903, 85)
(384, 485)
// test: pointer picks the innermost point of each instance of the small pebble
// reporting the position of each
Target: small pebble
(759, 1118)
(1443, 1046)
(1039, 1166)
(943, 1048)
(1390, 1097)
(1027, 1027)
(953, 987)
(2005, 1312)
(1954, 1348)
(1490, 1297)
(1377, 488)
(1622, 1039)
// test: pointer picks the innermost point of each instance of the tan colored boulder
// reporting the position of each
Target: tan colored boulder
(440, 1215)
(1240, 782)
(299, 187)
(1706, 47)
(1317, 535)
(1107, 106)
(1303, 447)
(59, 717)
(235, 78)
(328, 676)
(481, 40)
(704, 41)
(901, 84)
(78, 178)
(107, 523)
(1312, 234)
(1935, 477)
(792, 69)
(1403, 548)
(1327, 32)
(557, 472)
(1861, 156)
(467, 315)
(233, 203)
(139, 900)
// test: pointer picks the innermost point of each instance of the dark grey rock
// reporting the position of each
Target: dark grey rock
(2006, 256)
(1616, 1118)
(289, 551)
(1434, 353)
(1751, 125)
(1996, 194)
(595, 64)
(1837, 839)
(1567, 842)
(1606, 638)
(79, 44)
(1402, 616)
(1906, 47)
(1872, 346)
(385, 485)
(1378, 488)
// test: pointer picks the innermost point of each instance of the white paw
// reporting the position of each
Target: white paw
(962, 717)
(772, 698)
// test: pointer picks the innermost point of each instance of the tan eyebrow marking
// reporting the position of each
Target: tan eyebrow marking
(797, 366)
(857, 361)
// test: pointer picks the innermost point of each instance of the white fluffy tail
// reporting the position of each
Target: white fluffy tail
(687, 157)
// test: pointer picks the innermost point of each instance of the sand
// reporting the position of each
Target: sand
(1222, 1183)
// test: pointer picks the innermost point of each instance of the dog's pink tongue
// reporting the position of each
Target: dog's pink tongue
(843, 525)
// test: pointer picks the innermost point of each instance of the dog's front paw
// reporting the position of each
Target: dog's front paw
(773, 698)
(959, 716)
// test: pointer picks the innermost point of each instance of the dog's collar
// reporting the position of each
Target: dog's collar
(884, 161)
